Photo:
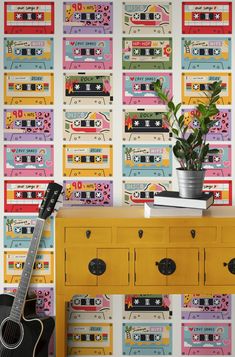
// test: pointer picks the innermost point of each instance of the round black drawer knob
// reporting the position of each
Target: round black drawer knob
(231, 266)
(166, 266)
(97, 266)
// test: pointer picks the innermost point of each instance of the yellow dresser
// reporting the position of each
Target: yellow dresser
(118, 251)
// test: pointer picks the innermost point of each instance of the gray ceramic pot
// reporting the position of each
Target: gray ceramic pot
(190, 183)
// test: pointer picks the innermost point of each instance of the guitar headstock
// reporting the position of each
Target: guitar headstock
(50, 199)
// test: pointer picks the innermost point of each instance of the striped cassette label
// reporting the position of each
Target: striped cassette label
(28, 88)
(151, 307)
(194, 86)
(88, 88)
(147, 339)
(200, 53)
(88, 17)
(147, 17)
(30, 160)
(43, 267)
(220, 164)
(18, 232)
(136, 193)
(88, 193)
(88, 126)
(138, 88)
(148, 161)
(206, 339)
(222, 191)
(87, 307)
(88, 160)
(90, 339)
(214, 17)
(87, 53)
(28, 124)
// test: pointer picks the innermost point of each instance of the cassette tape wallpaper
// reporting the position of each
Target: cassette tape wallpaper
(78, 107)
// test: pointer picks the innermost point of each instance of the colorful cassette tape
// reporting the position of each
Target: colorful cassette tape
(21, 53)
(206, 307)
(137, 193)
(222, 191)
(88, 88)
(147, 160)
(200, 53)
(87, 53)
(18, 232)
(43, 267)
(194, 86)
(214, 17)
(147, 339)
(28, 17)
(138, 88)
(206, 339)
(220, 131)
(28, 88)
(88, 193)
(220, 164)
(149, 307)
(147, 53)
(95, 125)
(145, 125)
(147, 17)
(90, 339)
(88, 17)
(88, 160)
(87, 307)
(28, 124)
(30, 160)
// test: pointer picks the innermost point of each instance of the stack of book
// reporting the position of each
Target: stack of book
(169, 204)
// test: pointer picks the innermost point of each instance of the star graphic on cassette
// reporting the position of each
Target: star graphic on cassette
(18, 159)
(136, 301)
(157, 337)
(18, 51)
(77, 194)
(18, 194)
(98, 159)
(39, 87)
(136, 337)
(136, 123)
(98, 123)
(38, 52)
(98, 87)
(98, 195)
(18, 86)
(157, 123)
(39, 123)
(17, 122)
(39, 195)
(216, 301)
(77, 86)
(18, 265)
(158, 302)
(217, 195)
(98, 301)
(18, 16)
(17, 230)
(39, 158)
(77, 16)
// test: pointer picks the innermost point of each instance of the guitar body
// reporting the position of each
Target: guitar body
(37, 330)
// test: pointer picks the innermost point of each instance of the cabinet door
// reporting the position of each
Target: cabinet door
(220, 266)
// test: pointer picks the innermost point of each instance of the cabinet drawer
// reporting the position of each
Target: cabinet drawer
(88, 235)
(228, 234)
(220, 266)
(193, 234)
(140, 235)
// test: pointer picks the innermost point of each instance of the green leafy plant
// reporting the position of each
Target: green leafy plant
(191, 147)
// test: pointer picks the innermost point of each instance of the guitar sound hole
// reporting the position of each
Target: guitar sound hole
(11, 333)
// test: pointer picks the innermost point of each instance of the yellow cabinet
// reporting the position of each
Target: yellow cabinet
(220, 266)
(192, 234)
(228, 234)
(86, 235)
(117, 267)
(141, 235)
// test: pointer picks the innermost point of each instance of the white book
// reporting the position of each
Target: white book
(172, 198)
(152, 210)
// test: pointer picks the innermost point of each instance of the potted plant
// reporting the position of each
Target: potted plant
(191, 147)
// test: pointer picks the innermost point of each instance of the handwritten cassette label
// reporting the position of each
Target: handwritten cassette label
(88, 125)
(147, 161)
(88, 17)
(220, 164)
(87, 307)
(222, 191)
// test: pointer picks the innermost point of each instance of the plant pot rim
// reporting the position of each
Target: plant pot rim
(181, 169)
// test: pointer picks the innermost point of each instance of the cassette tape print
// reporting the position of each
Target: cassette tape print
(222, 191)
(220, 164)
(137, 193)
(88, 193)
(87, 53)
(88, 126)
(206, 307)
(21, 53)
(138, 88)
(200, 53)
(220, 131)
(206, 339)
(147, 17)
(88, 88)
(18, 232)
(88, 160)
(30, 160)
(43, 267)
(87, 307)
(194, 86)
(24, 196)
(214, 17)
(147, 339)
(145, 125)
(146, 53)
(28, 17)
(147, 161)
(90, 339)
(151, 307)
(88, 17)
(28, 124)
(28, 88)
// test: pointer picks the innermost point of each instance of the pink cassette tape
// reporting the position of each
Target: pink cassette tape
(219, 164)
(87, 307)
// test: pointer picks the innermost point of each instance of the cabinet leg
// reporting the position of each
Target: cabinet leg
(61, 327)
